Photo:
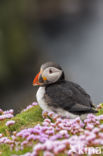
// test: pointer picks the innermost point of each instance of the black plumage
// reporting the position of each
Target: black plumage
(70, 97)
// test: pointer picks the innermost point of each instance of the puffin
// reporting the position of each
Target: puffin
(56, 94)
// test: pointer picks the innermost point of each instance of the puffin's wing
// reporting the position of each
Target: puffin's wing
(78, 109)
(82, 91)
(58, 96)
(69, 97)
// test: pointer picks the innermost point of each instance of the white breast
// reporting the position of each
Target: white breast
(41, 100)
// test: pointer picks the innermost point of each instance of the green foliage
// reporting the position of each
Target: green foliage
(14, 43)
(25, 119)
(100, 110)
(7, 152)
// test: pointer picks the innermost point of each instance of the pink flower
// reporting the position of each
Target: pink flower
(91, 137)
(30, 106)
(49, 145)
(6, 116)
(34, 104)
(64, 132)
(11, 111)
(101, 127)
(1, 111)
(59, 148)
(1, 135)
(10, 123)
(100, 135)
(32, 137)
(45, 123)
(25, 135)
(50, 114)
(100, 117)
(24, 143)
(47, 120)
(89, 126)
(96, 130)
(47, 153)
(38, 147)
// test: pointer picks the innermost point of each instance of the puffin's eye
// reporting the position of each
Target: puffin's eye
(50, 71)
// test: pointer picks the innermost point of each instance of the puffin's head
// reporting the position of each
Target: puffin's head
(50, 72)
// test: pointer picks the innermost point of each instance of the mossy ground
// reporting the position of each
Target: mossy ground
(23, 120)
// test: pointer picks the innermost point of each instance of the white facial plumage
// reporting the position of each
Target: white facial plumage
(52, 74)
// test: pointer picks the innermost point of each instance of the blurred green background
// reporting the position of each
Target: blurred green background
(18, 59)
(68, 32)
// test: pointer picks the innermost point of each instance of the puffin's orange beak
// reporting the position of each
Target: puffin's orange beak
(36, 80)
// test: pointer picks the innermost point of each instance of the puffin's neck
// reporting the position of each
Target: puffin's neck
(62, 77)
(56, 83)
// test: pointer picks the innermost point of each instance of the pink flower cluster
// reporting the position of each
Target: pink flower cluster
(6, 114)
(6, 140)
(10, 122)
(30, 106)
(68, 136)
(58, 135)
